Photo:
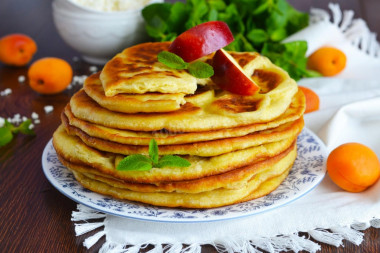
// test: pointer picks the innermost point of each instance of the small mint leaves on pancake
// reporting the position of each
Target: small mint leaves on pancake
(197, 69)
(140, 162)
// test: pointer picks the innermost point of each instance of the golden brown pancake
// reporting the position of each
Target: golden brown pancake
(164, 137)
(205, 148)
(233, 179)
(73, 150)
(260, 185)
(189, 118)
(132, 103)
(136, 70)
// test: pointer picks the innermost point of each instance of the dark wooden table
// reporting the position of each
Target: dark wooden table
(34, 216)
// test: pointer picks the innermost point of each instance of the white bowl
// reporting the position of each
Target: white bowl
(98, 36)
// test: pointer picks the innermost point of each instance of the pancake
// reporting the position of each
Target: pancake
(73, 150)
(234, 179)
(136, 70)
(225, 111)
(164, 137)
(132, 103)
(288, 130)
(260, 185)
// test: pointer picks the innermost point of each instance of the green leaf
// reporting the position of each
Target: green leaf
(6, 136)
(218, 5)
(278, 34)
(312, 73)
(290, 56)
(172, 161)
(278, 18)
(155, 16)
(172, 60)
(24, 127)
(153, 150)
(179, 14)
(135, 162)
(213, 15)
(198, 13)
(154, 33)
(161, 10)
(257, 36)
(201, 69)
(261, 8)
(9, 125)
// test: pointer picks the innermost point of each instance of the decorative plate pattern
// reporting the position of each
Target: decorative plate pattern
(308, 171)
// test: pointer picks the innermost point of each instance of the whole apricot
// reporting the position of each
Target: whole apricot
(17, 49)
(312, 99)
(50, 75)
(328, 61)
(353, 167)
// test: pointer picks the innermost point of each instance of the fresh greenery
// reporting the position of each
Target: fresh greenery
(8, 131)
(198, 69)
(142, 163)
(172, 60)
(257, 25)
(290, 56)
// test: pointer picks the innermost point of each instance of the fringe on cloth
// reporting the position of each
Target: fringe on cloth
(355, 30)
(87, 220)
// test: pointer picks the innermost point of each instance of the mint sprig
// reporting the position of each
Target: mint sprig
(140, 162)
(8, 131)
(171, 60)
(197, 69)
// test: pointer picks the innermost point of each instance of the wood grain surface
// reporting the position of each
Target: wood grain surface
(34, 216)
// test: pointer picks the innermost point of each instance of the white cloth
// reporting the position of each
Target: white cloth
(350, 111)
(351, 36)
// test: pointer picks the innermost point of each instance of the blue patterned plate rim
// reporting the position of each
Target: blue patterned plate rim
(308, 171)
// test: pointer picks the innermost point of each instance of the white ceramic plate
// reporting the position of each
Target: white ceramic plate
(307, 172)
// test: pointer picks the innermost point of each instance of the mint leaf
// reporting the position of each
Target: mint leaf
(172, 161)
(9, 130)
(142, 163)
(24, 127)
(312, 73)
(135, 162)
(257, 36)
(172, 60)
(198, 69)
(153, 150)
(9, 126)
(290, 56)
(6, 136)
(201, 69)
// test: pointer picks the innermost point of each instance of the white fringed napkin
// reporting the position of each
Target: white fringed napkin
(350, 111)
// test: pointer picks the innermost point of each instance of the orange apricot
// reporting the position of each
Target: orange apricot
(312, 99)
(353, 167)
(328, 61)
(50, 75)
(17, 49)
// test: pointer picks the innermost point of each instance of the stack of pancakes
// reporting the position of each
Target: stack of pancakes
(240, 147)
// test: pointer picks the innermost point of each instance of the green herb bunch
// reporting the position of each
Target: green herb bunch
(257, 25)
(8, 131)
(140, 162)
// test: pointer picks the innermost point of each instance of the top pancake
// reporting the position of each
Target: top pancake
(136, 70)
(217, 111)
